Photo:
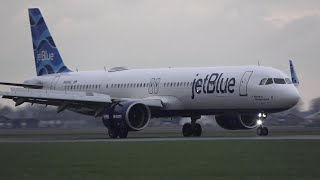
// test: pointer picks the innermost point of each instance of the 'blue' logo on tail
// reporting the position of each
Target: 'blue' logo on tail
(46, 54)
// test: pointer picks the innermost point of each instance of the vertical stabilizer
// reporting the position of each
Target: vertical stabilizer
(46, 54)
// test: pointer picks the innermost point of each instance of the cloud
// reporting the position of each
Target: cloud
(281, 19)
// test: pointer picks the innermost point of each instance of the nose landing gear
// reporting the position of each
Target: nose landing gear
(261, 130)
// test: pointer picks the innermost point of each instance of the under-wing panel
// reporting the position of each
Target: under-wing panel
(76, 100)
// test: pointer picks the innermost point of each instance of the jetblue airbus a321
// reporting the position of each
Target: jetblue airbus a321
(127, 99)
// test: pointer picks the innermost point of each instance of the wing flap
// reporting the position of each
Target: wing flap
(149, 102)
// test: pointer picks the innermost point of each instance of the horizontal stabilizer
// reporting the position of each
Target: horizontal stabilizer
(32, 86)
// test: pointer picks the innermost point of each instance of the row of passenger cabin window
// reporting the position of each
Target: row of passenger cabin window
(267, 81)
(82, 87)
(131, 85)
(139, 85)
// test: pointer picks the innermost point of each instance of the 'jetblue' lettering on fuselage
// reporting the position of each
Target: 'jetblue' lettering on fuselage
(45, 56)
(214, 83)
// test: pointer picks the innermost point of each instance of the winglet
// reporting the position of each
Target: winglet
(294, 77)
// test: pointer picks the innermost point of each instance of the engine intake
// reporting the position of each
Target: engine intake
(135, 115)
(237, 121)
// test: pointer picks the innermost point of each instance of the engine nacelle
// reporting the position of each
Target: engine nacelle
(135, 115)
(237, 121)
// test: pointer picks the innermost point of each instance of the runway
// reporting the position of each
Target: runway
(293, 137)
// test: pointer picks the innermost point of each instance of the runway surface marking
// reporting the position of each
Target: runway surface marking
(297, 137)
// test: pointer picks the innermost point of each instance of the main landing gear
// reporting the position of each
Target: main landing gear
(193, 128)
(116, 128)
(261, 130)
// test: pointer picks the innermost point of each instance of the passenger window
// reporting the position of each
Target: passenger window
(279, 81)
(269, 81)
(263, 81)
(288, 81)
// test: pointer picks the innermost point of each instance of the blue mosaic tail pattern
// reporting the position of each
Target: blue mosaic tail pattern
(46, 54)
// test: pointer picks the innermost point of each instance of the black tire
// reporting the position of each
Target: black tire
(197, 130)
(123, 133)
(113, 133)
(260, 131)
(187, 130)
(265, 131)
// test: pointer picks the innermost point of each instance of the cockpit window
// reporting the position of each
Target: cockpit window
(288, 81)
(279, 81)
(269, 81)
(263, 81)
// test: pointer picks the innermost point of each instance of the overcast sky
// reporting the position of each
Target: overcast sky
(162, 33)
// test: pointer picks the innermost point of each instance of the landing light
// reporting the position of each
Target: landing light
(260, 115)
(259, 122)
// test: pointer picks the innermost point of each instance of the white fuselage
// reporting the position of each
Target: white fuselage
(209, 90)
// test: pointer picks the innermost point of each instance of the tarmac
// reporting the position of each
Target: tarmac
(167, 139)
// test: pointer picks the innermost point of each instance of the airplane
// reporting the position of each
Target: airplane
(240, 97)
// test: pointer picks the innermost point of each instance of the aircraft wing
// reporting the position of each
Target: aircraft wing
(93, 102)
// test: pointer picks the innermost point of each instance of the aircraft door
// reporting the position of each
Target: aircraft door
(54, 82)
(244, 83)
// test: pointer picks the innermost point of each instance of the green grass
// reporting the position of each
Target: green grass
(268, 159)
(56, 134)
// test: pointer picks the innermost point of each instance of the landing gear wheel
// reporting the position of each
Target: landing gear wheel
(123, 133)
(197, 130)
(187, 130)
(113, 133)
(265, 131)
(260, 131)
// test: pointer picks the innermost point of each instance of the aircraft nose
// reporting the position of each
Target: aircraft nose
(293, 97)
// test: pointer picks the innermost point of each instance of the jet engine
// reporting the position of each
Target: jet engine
(135, 115)
(237, 121)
